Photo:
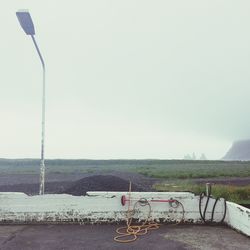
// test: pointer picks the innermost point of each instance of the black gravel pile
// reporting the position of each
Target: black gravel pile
(100, 183)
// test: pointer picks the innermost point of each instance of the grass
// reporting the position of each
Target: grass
(196, 169)
(165, 169)
(238, 194)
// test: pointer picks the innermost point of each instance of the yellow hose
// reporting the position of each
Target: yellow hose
(131, 232)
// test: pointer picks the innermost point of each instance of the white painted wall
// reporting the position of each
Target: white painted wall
(97, 207)
(238, 217)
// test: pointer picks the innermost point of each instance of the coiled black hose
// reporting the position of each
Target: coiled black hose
(203, 215)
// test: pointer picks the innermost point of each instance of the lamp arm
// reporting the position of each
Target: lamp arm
(38, 51)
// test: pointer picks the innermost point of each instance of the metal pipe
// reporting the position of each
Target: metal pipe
(42, 164)
(124, 200)
(208, 189)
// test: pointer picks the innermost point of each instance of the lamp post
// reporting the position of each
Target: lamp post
(26, 23)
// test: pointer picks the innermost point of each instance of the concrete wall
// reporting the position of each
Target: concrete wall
(238, 217)
(97, 207)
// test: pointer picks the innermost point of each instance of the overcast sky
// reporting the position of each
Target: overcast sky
(126, 79)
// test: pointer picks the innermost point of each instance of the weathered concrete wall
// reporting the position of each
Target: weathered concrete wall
(97, 207)
(238, 217)
(101, 207)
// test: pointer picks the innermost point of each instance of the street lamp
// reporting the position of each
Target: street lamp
(25, 21)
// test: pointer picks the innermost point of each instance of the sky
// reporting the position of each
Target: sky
(125, 79)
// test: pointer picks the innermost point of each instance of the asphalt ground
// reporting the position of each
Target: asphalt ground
(94, 237)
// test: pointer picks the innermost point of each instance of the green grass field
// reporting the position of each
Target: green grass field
(196, 169)
(165, 169)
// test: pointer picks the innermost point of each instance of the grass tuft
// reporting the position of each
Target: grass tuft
(238, 194)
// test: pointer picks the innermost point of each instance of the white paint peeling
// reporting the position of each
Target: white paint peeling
(97, 207)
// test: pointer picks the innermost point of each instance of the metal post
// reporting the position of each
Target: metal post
(42, 165)
(208, 189)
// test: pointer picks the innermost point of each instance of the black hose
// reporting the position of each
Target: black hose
(203, 215)
(201, 197)
(225, 210)
(212, 216)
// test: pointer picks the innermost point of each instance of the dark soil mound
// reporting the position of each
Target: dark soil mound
(100, 183)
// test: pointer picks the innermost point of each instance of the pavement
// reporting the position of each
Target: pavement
(95, 237)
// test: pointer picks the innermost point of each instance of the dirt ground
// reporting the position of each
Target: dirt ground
(58, 183)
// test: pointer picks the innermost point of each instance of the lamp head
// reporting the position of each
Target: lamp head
(26, 22)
